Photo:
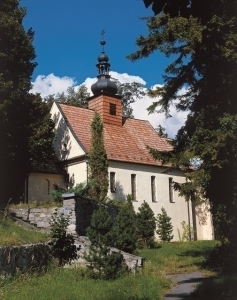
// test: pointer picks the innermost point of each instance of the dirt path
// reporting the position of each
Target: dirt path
(185, 285)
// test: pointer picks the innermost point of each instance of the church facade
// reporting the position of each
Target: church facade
(132, 170)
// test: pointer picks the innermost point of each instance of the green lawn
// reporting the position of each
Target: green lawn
(150, 283)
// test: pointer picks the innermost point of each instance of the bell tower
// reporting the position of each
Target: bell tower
(105, 101)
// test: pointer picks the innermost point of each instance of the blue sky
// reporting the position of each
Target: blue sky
(67, 44)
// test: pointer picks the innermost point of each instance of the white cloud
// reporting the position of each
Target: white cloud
(52, 84)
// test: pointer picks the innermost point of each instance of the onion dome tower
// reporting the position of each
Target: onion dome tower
(105, 101)
(103, 84)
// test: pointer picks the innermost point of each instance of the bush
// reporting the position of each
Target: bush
(146, 225)
(101, 262)
(187, 234)
(165, 227)
(123, 234)
(62, 243)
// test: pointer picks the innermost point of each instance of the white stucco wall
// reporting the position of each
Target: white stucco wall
(64, 136)
(39, 185)
(77, 172)
(179, 210)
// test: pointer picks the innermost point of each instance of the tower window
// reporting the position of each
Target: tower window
(112, 182)
(112, 109)
(133, 187)
(153, 188)
(171, 189)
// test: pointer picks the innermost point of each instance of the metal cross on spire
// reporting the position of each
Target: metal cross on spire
(103, 42)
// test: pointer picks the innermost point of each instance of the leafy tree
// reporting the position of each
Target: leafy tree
(101, 262)
(75, 97)
(201, 37)
(165, 227)
(130, 92)
(146, 225)
(123, 234)
(16, 66)
(41, 135)
(98, 162)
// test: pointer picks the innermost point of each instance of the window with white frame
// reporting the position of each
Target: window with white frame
(153, 188)
(133, 187)
(112, 182)
(171, 189)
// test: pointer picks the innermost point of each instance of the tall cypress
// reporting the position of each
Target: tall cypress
(16, 67)
(98, 162)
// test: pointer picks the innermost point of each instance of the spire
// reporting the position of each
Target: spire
(104, 84)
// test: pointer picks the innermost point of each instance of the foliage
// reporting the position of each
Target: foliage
(101, 262)
(187, 234)
(202, 43)
(129, 92)
(165, 227)
(146, 225)
(41, 152)
(161, 131)
(80, 189)
(75, 97)
(16, 67)
(62, 243)
(123, 233)
(98, 162)
(26, 130)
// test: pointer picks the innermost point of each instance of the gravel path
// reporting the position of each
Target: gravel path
(185, 285)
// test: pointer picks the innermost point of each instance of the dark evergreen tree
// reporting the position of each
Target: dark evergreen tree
(101, 262)
(201, 37)
(75, 97)
(164, 226)
(98, 162)
(16, 66)
(146, 225)
(124, 234)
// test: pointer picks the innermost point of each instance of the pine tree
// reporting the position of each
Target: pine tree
(123, 234)
(16, 67)
(98, 162)
(146, 225)
(165, 227)
(101, 262)
(200, 36)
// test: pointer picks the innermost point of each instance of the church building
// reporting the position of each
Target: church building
(132, 170)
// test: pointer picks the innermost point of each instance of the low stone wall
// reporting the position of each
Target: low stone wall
(24, 258)
(39, 217)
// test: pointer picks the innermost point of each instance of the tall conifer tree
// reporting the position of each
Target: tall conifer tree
(16, 67)
(201, 36)
(98, 161)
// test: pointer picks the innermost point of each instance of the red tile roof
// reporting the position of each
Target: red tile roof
(126, 143)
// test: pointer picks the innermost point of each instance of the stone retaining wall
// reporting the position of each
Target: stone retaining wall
(24, 258)
(39, 217)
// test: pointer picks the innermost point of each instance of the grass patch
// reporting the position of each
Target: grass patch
(13, 234)
(72, 284)
(179, 257)
(149, 284)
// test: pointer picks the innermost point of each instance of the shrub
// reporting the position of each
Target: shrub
(123, 234)
(101, 262)
(62, 243)
(165, 227)
(146, 225)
